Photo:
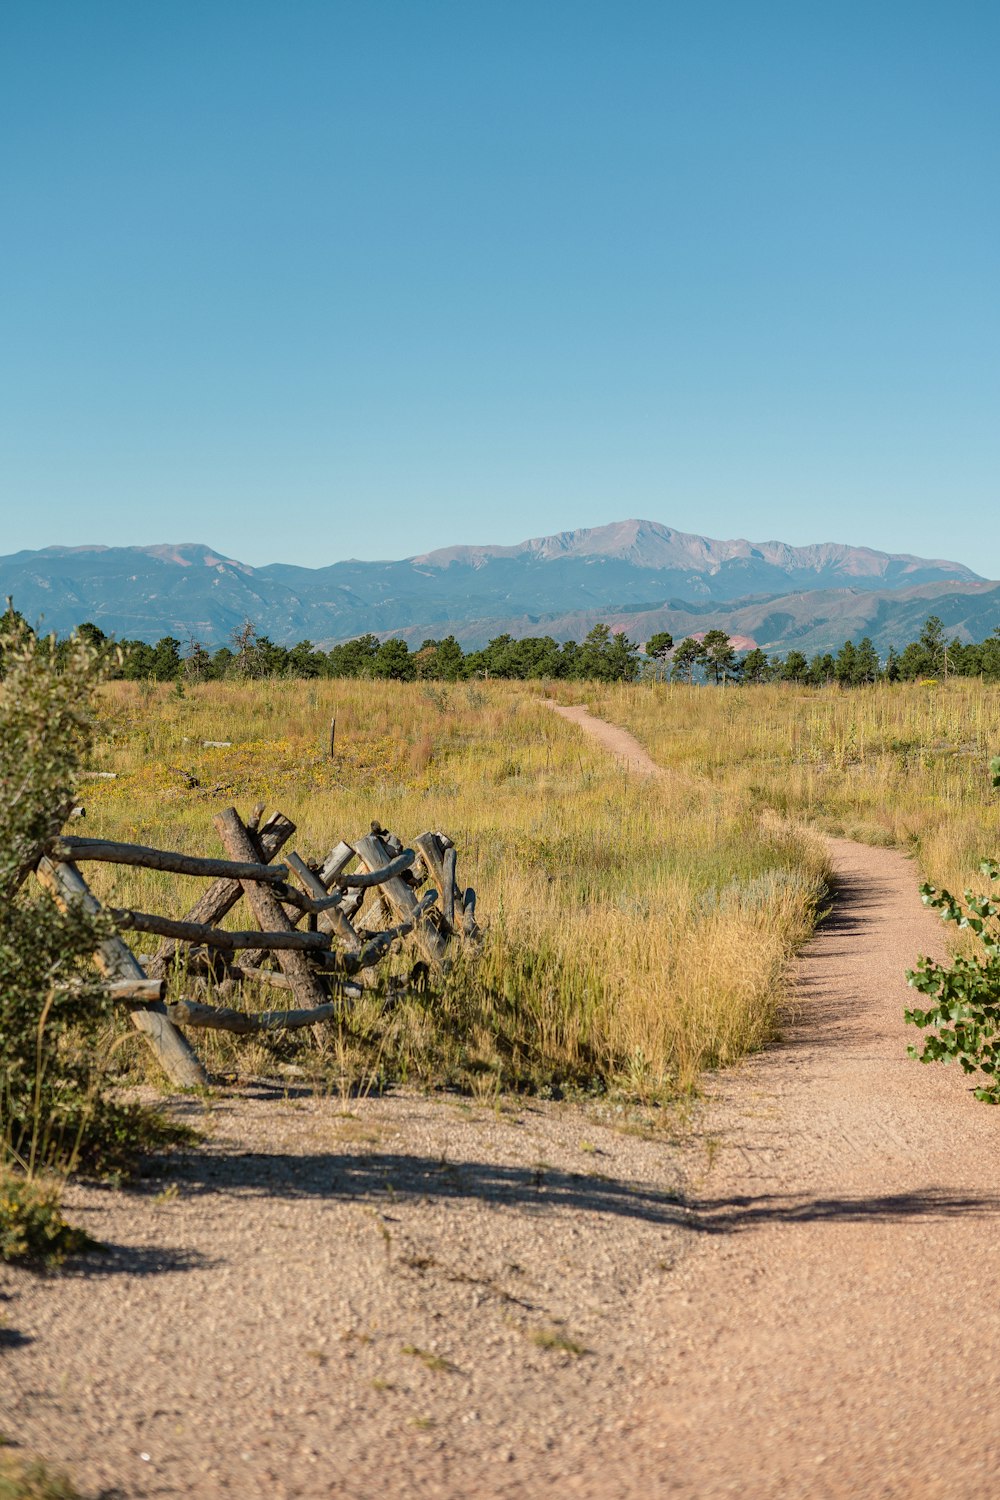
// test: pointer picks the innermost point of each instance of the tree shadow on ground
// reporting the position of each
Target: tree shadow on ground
(395, 1182)
(397, 1178)
(110, 1259)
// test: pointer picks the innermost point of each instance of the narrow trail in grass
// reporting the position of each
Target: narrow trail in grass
(835, 1332)
(436, 1298)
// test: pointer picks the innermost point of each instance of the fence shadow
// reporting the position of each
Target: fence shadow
(395, 1182)
(400, 1177)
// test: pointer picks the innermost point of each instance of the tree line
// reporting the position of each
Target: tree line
(603, 656)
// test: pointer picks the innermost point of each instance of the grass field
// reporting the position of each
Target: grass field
(902, 765)
(637, 934)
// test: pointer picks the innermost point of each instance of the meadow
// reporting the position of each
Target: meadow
(901, 765)
(637, 933)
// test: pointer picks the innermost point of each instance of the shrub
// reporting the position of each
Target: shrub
(966, 1012)
(32, 1227)
(53, 1006)
(51, 998)
(34, 1480)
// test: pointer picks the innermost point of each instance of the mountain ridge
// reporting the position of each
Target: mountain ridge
(809, 620)
(627, 568)
(651, 544)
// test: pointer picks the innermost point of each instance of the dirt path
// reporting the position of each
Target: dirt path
(433, 1297)
(618, 742)
(839, 1338)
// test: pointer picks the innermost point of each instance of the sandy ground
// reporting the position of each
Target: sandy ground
(433, 1297)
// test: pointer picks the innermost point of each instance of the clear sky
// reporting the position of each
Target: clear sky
(307, 280)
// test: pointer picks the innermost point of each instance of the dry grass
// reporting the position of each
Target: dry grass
(637, 934)
(902, 765)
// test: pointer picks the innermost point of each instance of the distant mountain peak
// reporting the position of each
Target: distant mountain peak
(191, 554)
(649, 544)
(626, 569)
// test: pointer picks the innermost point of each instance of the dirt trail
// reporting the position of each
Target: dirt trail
(841, 1338)
(427, 1297)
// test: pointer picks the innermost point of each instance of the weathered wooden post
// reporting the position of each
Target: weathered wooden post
(267, 909)
(116, 960)
(222, 896)
(370, 852)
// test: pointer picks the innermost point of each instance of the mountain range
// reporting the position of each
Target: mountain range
(636, 575)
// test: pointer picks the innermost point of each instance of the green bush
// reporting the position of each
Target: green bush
(34, 1480)
(53, 1005)
(966, 1010)
(52, 1002)
(32, 1227)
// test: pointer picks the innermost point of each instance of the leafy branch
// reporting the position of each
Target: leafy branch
(965, 1014)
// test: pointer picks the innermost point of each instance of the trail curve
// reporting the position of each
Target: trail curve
(839, 1339)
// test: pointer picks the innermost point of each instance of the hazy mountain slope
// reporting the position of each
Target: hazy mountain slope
(817, 620)
(189, 589)
(721, 568)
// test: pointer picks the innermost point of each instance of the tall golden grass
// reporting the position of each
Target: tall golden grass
(901, 764)
(637, 933)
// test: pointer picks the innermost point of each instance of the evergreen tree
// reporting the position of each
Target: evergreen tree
(821, 669)
(494, 660)
(92, 635)
(270, 660)
(955, 658)
(137, 661)
(622, 663)
(166, 660)
(658, 649)
(534, 657)
(892, 665)
(989, 657)
(592, 665)
(846, 666)
(222, 664)
(393, 660)
(689, 654)
(914, 662)
(354, 658)
(867, 667)
(796, 668)
(305, 661)
(569, 660)
(449, 660)
(719, 656)
(933, 645)
(755, 666)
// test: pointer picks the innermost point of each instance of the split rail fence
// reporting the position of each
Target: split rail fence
(320, 938)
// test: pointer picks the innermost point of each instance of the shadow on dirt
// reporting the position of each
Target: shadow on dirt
(393, 1178)
(13, 1338)
(736, 1214)
(109, 1259)
(394, 1181)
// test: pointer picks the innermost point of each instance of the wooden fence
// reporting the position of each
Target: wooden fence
(318, 938)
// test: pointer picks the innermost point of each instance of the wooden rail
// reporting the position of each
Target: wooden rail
(354, 918)
(175, 864)
(117, 961)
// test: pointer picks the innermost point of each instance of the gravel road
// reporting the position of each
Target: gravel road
(433, 1297)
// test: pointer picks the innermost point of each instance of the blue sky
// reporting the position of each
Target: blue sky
(307, 281)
